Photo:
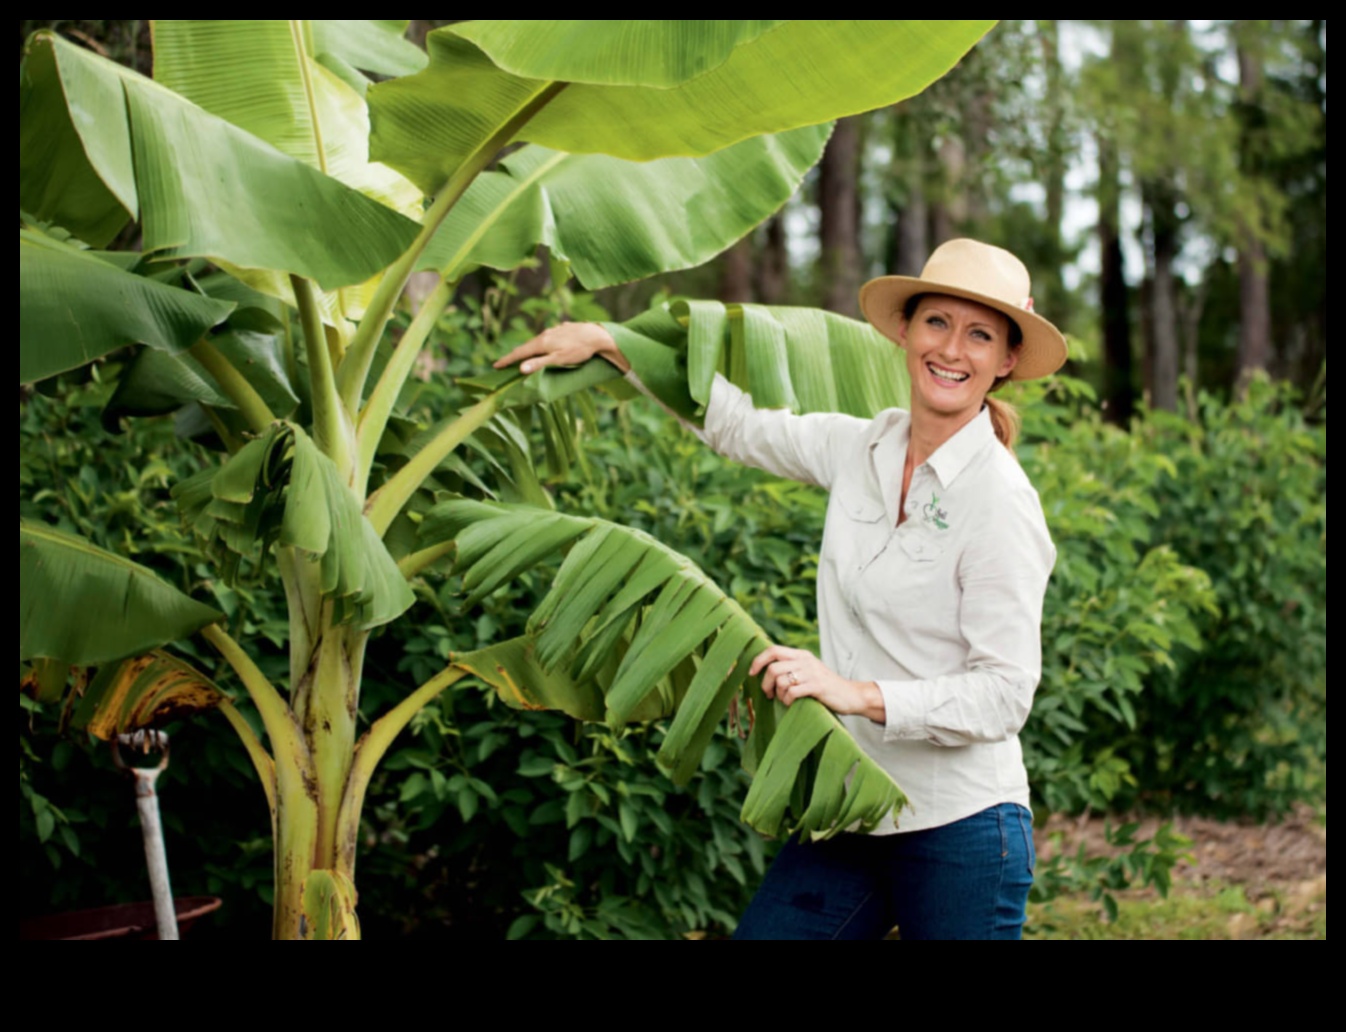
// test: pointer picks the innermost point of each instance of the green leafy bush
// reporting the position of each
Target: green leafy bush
(1240, 727)
(79, 839)
(1184, 639)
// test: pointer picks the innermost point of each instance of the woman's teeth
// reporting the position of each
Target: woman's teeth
(949, 375)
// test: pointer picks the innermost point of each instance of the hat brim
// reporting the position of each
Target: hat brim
(1042, 352)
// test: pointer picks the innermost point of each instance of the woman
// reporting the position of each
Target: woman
(933, 566)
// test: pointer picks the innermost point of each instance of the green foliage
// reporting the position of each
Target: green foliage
(1241, 726)
(1118, 608)
(79, 841)
(1184, 638)
(1134, 862)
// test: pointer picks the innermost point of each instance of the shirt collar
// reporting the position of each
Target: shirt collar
(952, 457)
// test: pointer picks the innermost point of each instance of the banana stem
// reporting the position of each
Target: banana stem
(372, 748)
(360, 355)
(234, 385)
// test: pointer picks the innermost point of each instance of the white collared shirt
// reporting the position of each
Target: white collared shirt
(944, 612)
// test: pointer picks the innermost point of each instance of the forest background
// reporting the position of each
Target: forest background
(1166, 181)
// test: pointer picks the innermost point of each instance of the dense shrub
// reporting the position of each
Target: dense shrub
(79, 838)
(1184, 641)
(1240, 727)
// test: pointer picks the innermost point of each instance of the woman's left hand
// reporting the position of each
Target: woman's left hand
(789, 674)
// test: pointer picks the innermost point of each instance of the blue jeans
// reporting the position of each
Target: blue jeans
(965, 880)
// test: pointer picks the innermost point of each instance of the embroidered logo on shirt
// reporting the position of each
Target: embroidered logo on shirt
(932, 513)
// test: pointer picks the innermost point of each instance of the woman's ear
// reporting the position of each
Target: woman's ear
(902, 323)
(1011, 360)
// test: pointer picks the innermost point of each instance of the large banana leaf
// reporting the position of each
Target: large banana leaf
(633, 53)
(642, 92)
(263, 76)
(643, 625)
(201, 186)
(294, 85)
(803, 359)
(281, 488)
(84, 606)
(617, 220)
(75, 307)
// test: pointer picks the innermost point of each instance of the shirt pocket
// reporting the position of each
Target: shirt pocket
(921, 546)
(861, 508)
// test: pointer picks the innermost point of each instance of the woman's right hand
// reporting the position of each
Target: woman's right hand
(567, 344)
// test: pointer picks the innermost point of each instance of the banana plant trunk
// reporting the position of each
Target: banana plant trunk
(315, 855)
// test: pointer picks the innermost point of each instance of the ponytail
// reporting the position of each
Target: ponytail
(1004, 420)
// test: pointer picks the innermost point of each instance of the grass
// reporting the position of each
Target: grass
(1192, 910)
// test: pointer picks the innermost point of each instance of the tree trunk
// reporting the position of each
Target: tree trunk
(948, 208)
(1254, 347)
(911, 241)
(1163, 335)
(839, 221)
(1114, 304)
(736, 273)
(773, 274)
(1048, 285)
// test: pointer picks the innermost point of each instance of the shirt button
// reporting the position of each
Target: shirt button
(919, 549)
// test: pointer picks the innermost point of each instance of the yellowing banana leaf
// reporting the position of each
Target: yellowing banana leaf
(201, 186)
(797, 73)
(149, 690)
(803, 359)
(74, 308)
(617, 220)
(45, 679)
(630, 618)
(123, 608)
(511, 668)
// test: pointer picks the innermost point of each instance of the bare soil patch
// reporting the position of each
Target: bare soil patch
(1285, 854)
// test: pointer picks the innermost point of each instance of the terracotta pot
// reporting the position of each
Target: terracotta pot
(123, 921)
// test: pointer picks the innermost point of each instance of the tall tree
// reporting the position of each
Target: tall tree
(839, 218)
(1113, 296)
(1254, 347)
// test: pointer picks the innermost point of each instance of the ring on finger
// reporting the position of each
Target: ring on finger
(794, 678)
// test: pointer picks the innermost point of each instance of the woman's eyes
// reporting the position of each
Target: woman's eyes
(939, 322)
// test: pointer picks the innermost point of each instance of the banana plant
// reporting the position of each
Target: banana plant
(281, 198)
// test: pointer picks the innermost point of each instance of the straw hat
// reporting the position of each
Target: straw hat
(978, 272)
